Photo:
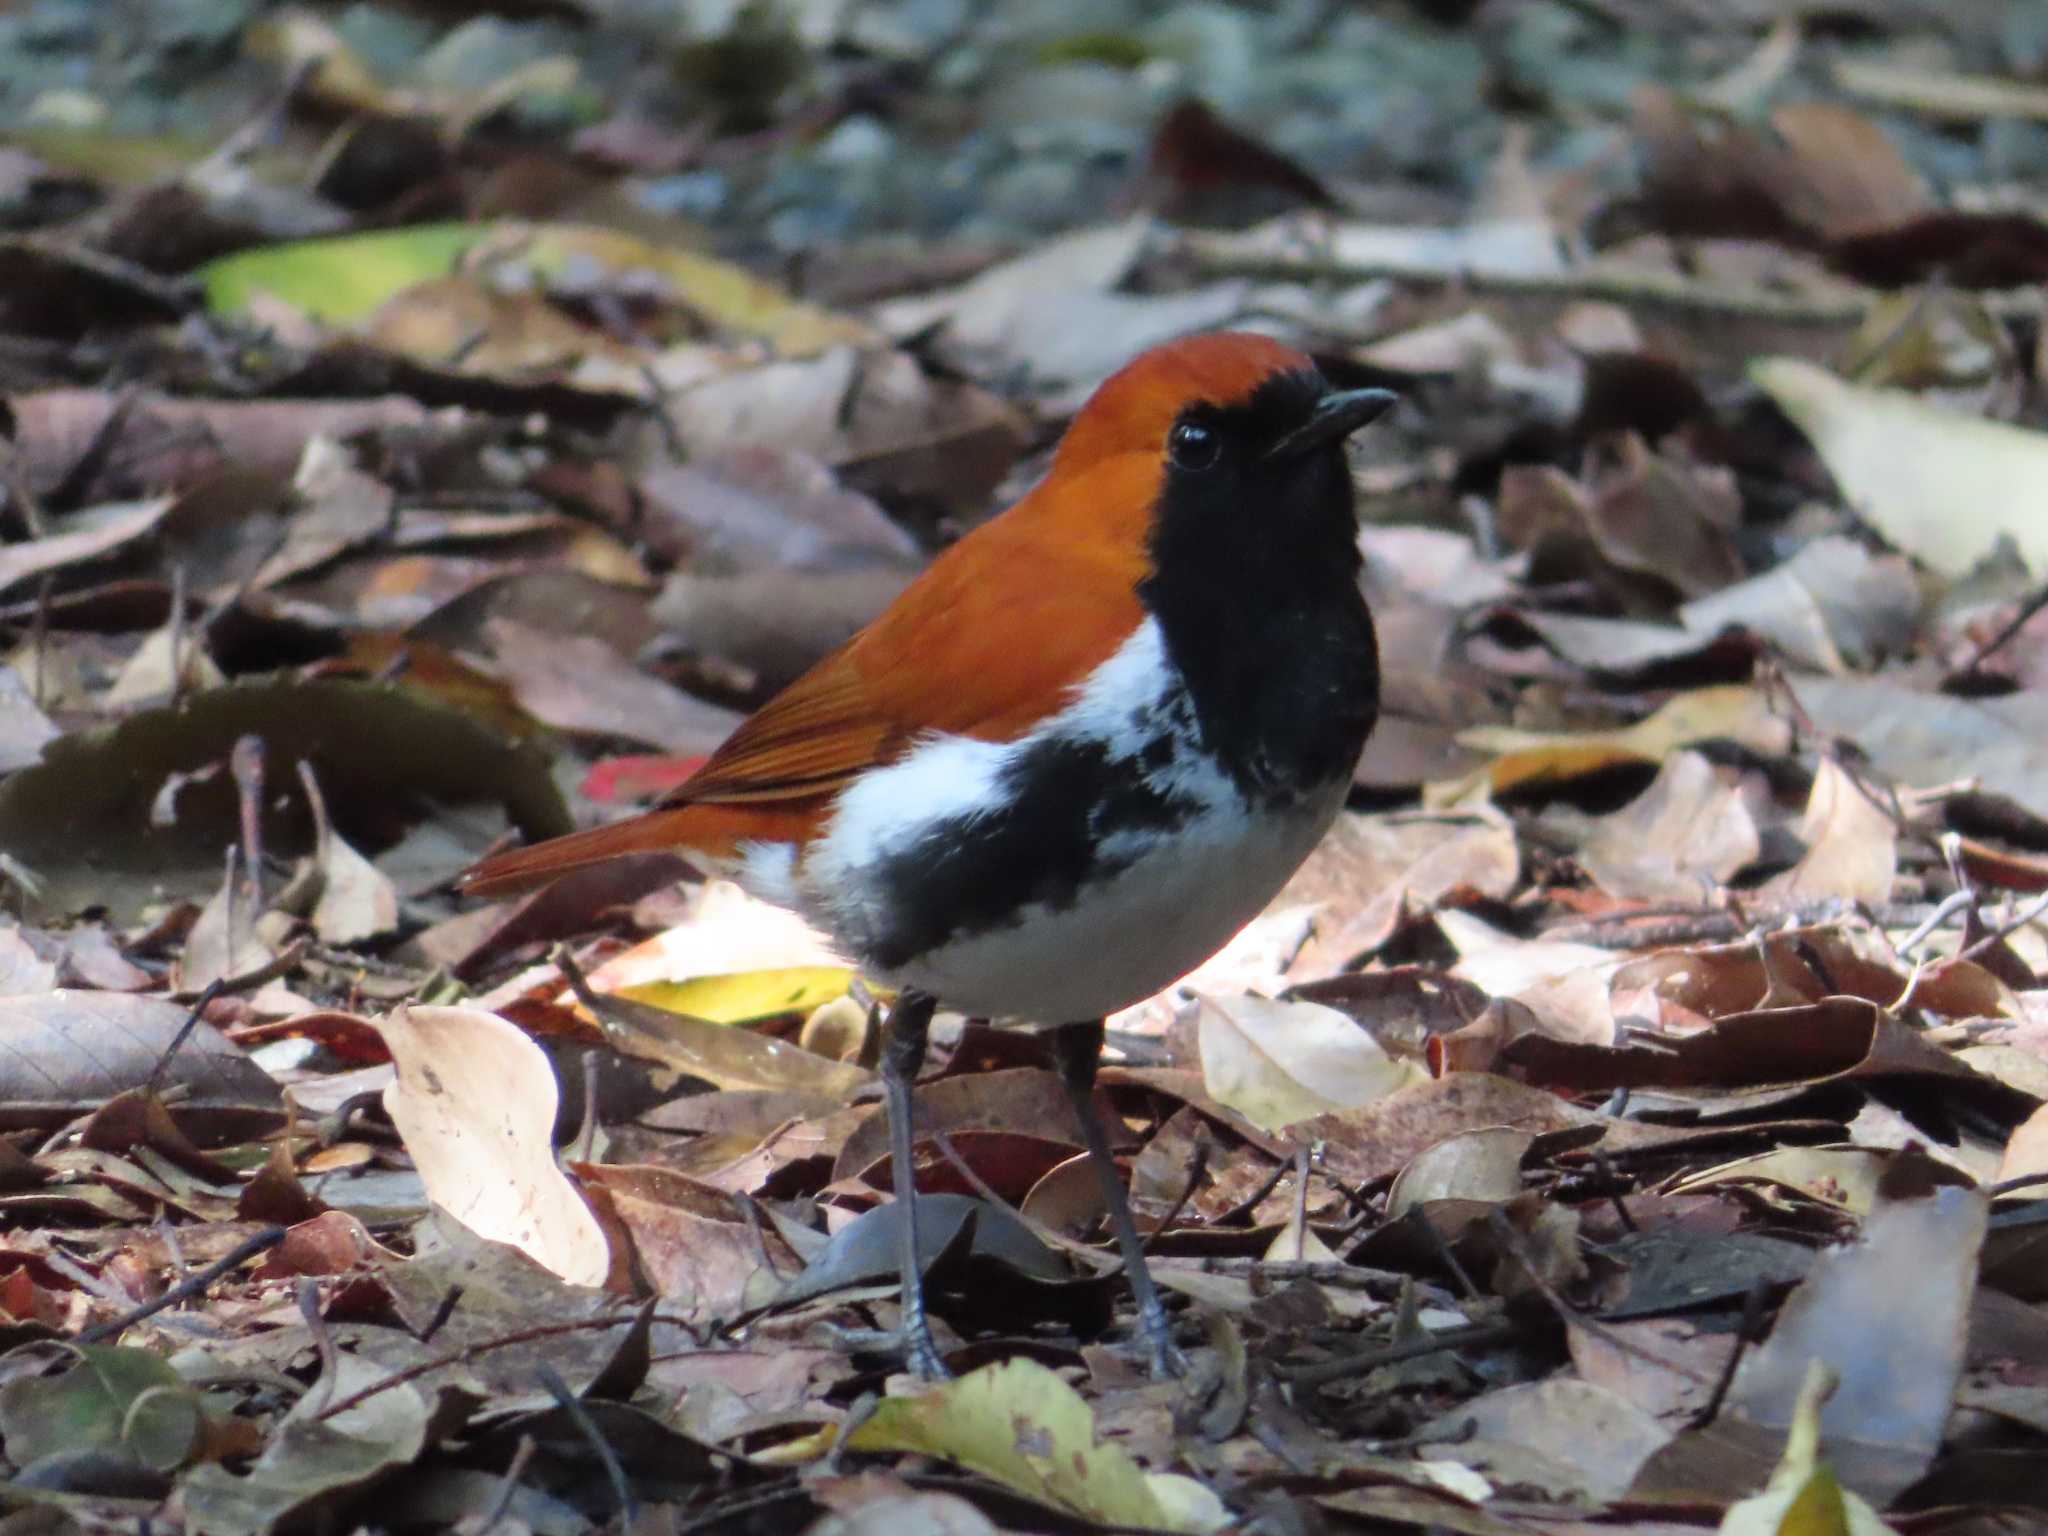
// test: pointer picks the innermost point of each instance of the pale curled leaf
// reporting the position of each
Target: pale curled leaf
(475, 1103)
(1852, 851)
(1939, 484)
(1276, 1063)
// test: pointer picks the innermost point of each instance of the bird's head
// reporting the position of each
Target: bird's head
(1230, 440)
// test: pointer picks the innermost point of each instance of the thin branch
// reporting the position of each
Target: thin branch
(187, 1288)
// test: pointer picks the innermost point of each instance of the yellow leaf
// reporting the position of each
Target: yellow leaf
(343, 280)
(1803, 1497)
(725, 296)
(747, 995)
(1023, 1426)
(1728, 713)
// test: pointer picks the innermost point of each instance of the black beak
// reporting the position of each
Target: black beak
(1335, 417)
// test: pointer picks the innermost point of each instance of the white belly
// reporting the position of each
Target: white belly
(1055, 878)
(1141, 931)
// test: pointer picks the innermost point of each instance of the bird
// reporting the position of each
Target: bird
(1077, 754)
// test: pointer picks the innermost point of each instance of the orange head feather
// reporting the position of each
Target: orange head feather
(1137, 405)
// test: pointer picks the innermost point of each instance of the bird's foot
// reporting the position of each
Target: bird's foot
(1168, 1363)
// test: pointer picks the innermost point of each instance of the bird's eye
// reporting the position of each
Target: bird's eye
(1193, 446)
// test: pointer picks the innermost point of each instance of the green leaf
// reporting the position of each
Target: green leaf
(339, 280)
(1023, 1426)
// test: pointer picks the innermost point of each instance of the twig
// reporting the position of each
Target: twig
(1297, 1221)
(1102, 1262)
(1443, 1252)
(153, 1085)
(2035, 602)
(187, 1288)
(1257, 254)
(629, 1507)
(1748, 1331)
(1604, 1166)
(307, 1295)
(443, 1310)
(282, 964)
(1946, 908)
(750, 1213)
(1250, 1202)
(586, 1135)
(1198, 1165)
(177, 628)
(245, 763)
(1712, 926)
(1472, 1336)
(71, 488)
(1322, 1271)
(520, 1336)
(501, 1506)
(39, 638)
(2005, 931)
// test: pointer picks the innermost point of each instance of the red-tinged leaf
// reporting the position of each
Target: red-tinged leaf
(637, 777)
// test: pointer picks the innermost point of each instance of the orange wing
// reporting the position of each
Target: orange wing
(984, 643)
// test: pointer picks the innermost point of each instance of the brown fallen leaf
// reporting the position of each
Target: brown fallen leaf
(1683, 837)
(1572, 1439)
(1369, 873)
(149, 440)
(689, 1239)
(578, 683)
(87, 536)
(876, 418)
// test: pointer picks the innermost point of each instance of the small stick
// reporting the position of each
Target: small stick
(509, 1488)
(1749, 1330)
(187, 1288)
(2035, 602)
(443, 1310)
(2000, 934)
(153, 1086)
(1473, 1336)
(245, 762)
(1198, 1165)
(308, 1297)
(441, 1362)
(177, 627)
(629, 1507)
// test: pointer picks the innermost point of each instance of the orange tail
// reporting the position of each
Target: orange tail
(525, 869)
(711, 831)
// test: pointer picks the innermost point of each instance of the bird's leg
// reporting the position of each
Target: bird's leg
(1077, 1048)
(902, 1057)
